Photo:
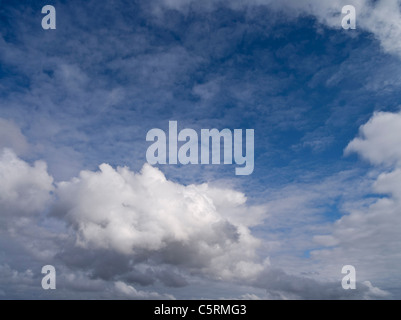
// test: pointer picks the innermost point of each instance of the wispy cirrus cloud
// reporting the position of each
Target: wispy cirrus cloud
(381, 18)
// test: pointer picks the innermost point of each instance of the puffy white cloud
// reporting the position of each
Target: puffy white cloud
(130, 228)
(201, 228)
(24, 189)
(380, 139)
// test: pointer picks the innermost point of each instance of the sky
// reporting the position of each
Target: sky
(77, 191)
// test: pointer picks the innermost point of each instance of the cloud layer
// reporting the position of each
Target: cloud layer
(119, 229)
(382, 18)
(368, 236)
(88, 92)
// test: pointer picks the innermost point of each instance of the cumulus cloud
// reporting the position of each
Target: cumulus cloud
(144, 214)
(116, 230)
(138, 228)
(120, 228)
(369, 236)
(125, 228)
(24, 189)
(380, 139)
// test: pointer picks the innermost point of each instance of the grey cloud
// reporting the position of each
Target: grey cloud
(11, 137)
(25, 189)
(147, 217)
(284, 286)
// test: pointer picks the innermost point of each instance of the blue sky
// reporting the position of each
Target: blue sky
(87, 93)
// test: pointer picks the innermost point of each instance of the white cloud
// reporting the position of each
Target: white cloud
(202, 228)
(380, 139)
(138, 225)
(24, 189)
(369, 236)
